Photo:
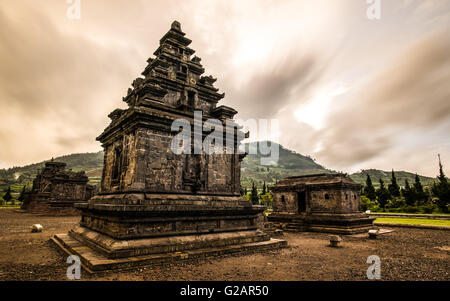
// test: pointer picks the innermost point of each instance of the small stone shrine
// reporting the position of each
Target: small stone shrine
(323, 203)
(56, 189)
(155, 205)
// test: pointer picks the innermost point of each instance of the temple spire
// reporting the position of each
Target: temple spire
(176, 25)
(174, 77)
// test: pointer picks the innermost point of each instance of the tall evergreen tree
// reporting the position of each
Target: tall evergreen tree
(22, 193)
(441, 177)
(441, 190)
(408, 194)
(394, 189)
(369, 190)
(7, 197)
(420, 195)
(382, 195)
(264, 190)
(254, 198)
(418, 185)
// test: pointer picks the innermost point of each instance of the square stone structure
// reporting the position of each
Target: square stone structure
(56, 190)
(156, 206)
(323, 203)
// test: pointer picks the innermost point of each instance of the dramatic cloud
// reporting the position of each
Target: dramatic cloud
(350, 92)
(409, 96)
(54, 88)
(272, 88)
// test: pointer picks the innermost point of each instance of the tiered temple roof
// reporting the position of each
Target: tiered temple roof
(173, 82)
(173, 70)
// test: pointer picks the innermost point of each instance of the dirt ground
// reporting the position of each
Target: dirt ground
(406, 254)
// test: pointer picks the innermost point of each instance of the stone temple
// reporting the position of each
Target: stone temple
(323, 203)
(154, 205)
(56, 189)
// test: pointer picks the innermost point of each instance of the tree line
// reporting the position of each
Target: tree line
(411, 198)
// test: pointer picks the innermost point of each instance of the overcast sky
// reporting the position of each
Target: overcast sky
(351, 92)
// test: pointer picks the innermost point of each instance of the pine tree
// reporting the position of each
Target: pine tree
(441, 190)
(382, 195)
(418, 185)
(245, 190)
(22, 194)
(420, 195)
(7, 197)
(369, 190)
(264, 191)
(394, 189)
(254, 198)
(408, 194)
(441, 177)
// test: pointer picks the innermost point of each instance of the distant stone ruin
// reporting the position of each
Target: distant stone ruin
(156, 205)
(56, 189)
(323, 203)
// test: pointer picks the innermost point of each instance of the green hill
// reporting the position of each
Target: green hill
(289, 163)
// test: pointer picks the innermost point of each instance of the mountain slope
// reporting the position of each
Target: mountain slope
(289, 163)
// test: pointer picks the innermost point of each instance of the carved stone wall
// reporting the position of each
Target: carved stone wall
(285, 202)
(144, 161)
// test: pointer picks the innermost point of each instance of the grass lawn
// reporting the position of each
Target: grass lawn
(413, 221)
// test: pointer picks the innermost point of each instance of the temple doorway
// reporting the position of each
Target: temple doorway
(301, 197)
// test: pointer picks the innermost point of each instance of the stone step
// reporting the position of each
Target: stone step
(117, 248)
(295, 227)
(95, 262)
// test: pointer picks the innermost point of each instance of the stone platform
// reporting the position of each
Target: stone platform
(328, 223)
(143, 215)
(126, 230)
(99, 253)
